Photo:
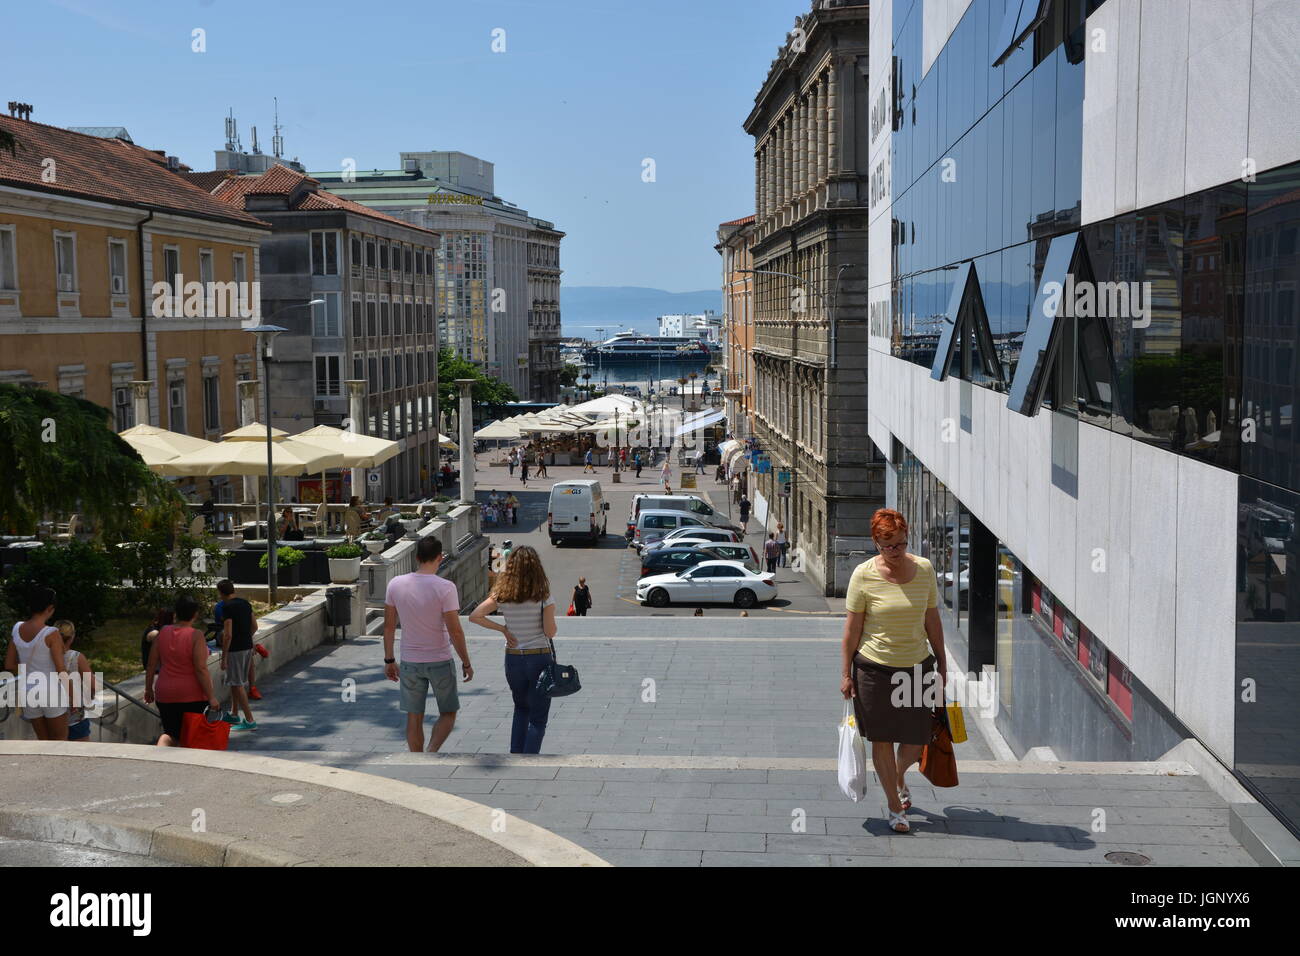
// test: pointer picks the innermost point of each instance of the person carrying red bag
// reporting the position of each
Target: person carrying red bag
(178, 658)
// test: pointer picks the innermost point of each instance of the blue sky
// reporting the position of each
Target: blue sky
(585, 90)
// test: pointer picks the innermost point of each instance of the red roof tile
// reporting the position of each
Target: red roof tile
(109, 170)
(210, 180)
(743, 221)
(282, 181)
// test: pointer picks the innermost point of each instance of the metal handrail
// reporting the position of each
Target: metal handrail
(119, 693)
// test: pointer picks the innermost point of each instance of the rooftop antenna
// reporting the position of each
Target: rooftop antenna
(232, 133)
(277, 141)
(255, 147)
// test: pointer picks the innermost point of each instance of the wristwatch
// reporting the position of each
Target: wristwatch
(390, 660)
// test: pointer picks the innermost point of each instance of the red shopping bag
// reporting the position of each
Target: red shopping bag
(200, 733)
(573, 612)
(261, 650)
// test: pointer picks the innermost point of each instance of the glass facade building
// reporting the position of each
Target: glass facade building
(1169, 350)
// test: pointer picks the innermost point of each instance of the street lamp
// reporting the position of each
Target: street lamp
(265, 337)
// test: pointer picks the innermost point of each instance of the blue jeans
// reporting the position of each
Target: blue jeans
(531, 708)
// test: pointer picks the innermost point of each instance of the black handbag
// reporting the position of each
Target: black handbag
(558, 680)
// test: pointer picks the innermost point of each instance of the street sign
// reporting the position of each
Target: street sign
(373, 478)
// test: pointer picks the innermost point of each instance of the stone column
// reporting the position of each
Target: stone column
(247, 389)
(357, 423)
(140, 401)
(466, 440)
(821, 129)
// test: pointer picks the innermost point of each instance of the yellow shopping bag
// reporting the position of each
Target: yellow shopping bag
(956, 723)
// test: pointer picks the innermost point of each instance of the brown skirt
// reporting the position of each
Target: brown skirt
(880, 717)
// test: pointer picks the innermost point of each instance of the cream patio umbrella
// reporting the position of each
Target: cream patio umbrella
(243, 454)
(500, 431)
(138, 436)
(358, 451)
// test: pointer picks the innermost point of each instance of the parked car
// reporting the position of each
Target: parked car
(1008, 581)
(680, 556)
(653, 525)
(693, 505)
(709, 582)
(695, 533)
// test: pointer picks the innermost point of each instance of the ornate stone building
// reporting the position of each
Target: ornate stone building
(737, 324)
(809, 248)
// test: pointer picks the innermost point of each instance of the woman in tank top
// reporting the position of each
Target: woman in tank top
(523, 595)
(38, 648)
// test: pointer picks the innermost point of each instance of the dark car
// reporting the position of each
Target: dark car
(669, 560)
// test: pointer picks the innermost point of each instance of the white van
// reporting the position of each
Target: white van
(693, 505)
(576, 510)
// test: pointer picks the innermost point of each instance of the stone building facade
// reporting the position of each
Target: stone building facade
(809, 248)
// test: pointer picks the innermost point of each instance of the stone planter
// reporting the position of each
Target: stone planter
(287, 577)
(375, 548)
(412, 526)
(345, 570)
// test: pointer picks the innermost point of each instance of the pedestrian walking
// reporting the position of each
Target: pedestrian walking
(781, 541)
(238, 625)
(699, 464)
(523, 595)
(581, 598)
(622, 457)
(511, 462)
(636, 460)
(666, 476)
(771, 552)
(81, 683)
(744, 513)
(610, 459)
(720, 475)
(512, 504)
(523, 473)
(38, 648)
(162, 617)
(541, 466)
(427, 607)
(177, 676)
(587, 465)
(892, 606)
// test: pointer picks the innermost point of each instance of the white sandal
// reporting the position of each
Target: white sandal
(906, 796)
(896, 820)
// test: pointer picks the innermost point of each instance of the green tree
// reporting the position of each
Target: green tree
(83, 578)
(58, 455)
(487, 390)
(568, 375)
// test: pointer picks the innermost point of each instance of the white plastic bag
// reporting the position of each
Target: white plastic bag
(853, 757)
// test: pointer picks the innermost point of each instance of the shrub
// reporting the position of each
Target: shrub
(284, 558)
(343, 551)
(409, 516)
(83, 578)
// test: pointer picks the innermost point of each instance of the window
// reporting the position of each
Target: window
(8, 258)
(176, 405)
(65, 261)
(386, 382)
(358, 329)
(383, 257)
(329, 376)
(383, 316)
(398, 378)
(123, 409)
(370, 253)
(116, 267)
(356, 253)
(239, 269)
(406, 259)
(206, 272)
(419, 262)
(172, 268)
(211, 403)
(324, 253)
(326, 320)
(372, 323)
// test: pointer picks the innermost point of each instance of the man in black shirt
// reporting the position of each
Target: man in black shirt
(237, 629)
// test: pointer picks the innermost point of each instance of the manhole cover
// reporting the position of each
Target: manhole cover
(290, 798)
(1127, 858)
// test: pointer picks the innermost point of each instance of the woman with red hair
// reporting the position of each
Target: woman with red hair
(892, 628)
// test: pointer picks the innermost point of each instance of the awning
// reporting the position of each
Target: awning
(702, 420)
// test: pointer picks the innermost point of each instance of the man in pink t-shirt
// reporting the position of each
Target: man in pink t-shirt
(429, 611)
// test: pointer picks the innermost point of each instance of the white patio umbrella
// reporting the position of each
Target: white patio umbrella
(498, 430)
(447, 443)
(151, 436)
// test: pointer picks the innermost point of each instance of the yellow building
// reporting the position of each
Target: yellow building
(734, 238)
(94, 234)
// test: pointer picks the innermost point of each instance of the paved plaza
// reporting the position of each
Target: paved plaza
(712, 743)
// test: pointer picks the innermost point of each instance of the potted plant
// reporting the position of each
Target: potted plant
(375, 542)
(410, 521)
(345, 563)
(442, 504)
(286, 565)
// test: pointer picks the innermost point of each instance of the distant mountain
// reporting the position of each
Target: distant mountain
(583, 307)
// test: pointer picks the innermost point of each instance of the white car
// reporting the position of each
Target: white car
(694, 534)
(708, 582)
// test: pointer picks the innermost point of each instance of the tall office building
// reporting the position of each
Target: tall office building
(484, 293)
(1085, 251)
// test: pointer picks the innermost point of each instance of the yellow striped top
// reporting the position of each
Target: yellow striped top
(893, 632)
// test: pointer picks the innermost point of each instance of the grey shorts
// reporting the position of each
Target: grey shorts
(237, 668)
(416, 679)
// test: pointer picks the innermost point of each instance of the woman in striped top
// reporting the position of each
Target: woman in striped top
(893, 628)
(523, 595)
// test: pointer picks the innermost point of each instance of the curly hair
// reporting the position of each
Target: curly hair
(524, 578)
(886, 523)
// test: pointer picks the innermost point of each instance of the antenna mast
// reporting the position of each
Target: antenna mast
(277, 141)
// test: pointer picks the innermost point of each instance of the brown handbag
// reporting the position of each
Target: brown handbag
(938, 762)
